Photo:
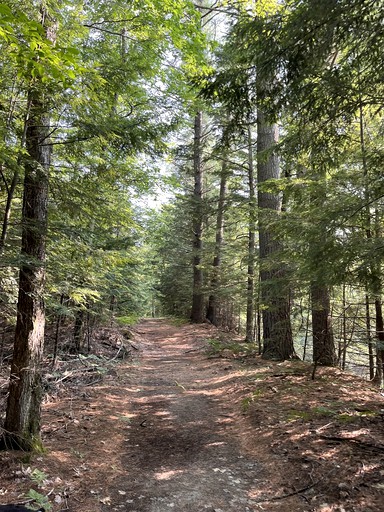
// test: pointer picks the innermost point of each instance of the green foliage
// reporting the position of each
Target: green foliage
(246, 402)
(117, 83)
(127, 320)
(40, 500)
(216, 346)
(37, 59)
(113, 79)
(169, 235)
(341, 416)
(38, 477)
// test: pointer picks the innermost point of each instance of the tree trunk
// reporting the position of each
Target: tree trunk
(10, 189)
(275, 301)
(197, 313)
(57, 332)
(22, 423)
(250, 318)
(215, 281)
(324, 352)
(7, 212)
(380, 341)
(379, 326)
(369, 339)
(78, 330)
(375, 283)
(322, 332)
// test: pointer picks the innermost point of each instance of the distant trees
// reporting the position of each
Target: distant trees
(318, 79)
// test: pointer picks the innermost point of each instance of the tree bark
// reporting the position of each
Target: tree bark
(78, 330)
(7, 212)
(380, 341)
(22, 424)
(215, 281)
(197, 313)
(375, 281)
(322, 332)
(23, 415)
(10, 189)
(275, 301)
(369, 338)
(250, 318)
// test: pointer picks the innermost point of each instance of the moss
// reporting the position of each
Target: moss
(294, 415)
(346, 418)
(351, 417)
(323, 411)
(238, 349)
(37, 445)
(178, 321)
(260, 376)
(246, 402)
(13, 441)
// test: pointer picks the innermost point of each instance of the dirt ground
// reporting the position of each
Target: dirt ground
(178, 428)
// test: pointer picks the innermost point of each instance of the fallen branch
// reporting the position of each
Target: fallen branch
(118, 352)
(71, 374)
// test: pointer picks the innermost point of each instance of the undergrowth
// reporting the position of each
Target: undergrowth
(216, 346)
(127, 320)
(346, 416)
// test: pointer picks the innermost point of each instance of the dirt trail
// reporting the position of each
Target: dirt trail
(181, 450)
(176, 430)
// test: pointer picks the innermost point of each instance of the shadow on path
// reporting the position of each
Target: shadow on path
(181, 451)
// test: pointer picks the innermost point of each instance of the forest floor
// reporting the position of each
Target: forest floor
(185, 424)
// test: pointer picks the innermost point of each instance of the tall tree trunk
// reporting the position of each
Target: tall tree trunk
(375, 280)
(380, 341)
(324, 352)
(57, 331)
(10, 188)
(322, 332)
(22, 423)
(369, 339)
(250, 318)
(275, 300)
(377, 289)
(197, 313)
(78, 330)
(215, 281)
(7, 212)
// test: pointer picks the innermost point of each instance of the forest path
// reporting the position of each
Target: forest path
(181, 448)
(175, 429)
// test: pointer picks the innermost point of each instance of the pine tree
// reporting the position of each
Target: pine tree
(277, 331)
